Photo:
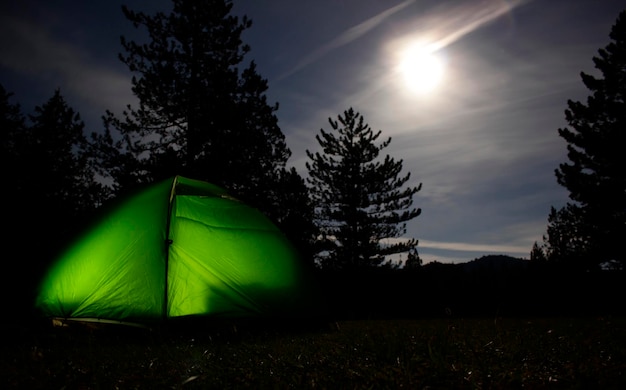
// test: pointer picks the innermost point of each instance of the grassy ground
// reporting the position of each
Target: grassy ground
(416, 354)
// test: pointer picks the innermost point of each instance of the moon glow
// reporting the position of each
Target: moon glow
(422, 70)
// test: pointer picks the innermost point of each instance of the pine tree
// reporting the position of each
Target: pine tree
(58, 173)
(566, 239)
(413, 260)
(12, 150)
(358, 198)
(201, 112)
(294, 213)
(595, 176)
(537, 254)
(12, 125)
(51, 186)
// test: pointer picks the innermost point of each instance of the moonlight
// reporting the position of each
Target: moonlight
(421, 69)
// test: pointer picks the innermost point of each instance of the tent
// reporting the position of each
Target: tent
(181, 247)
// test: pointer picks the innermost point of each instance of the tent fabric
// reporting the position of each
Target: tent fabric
(181, 247)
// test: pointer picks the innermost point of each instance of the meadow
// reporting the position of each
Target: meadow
(442, 353)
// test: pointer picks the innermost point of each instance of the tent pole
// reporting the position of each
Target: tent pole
(168, 242)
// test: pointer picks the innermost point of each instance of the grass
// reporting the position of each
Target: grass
(414, 354)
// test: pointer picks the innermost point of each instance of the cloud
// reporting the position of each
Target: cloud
(346, 37)
(459, 21)
(29, 49)
(516, 236)
(468, 247)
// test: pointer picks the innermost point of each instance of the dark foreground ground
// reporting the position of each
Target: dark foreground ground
(414, 354)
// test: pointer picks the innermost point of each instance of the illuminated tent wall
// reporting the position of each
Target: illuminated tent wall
(179, 248)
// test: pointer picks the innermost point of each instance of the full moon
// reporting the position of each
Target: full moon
(421, 69)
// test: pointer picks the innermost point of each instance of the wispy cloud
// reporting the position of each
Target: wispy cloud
(467, 247)
(466, 18)
(28, 48)
(346, 37)
(516, 245)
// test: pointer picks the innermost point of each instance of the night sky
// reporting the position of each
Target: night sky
(483, 140)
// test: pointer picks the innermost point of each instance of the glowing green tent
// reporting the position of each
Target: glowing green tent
(179, 248)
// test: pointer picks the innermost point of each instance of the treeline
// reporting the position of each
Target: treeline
(492, 286)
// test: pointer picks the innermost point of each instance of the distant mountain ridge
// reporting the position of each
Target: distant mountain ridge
(487, 262)
(495, 263)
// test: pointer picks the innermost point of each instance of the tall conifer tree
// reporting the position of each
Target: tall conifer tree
(50, 190)
(58, 176)
(595, 176)
(359, 199)
(202, 112)
(12, 125)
